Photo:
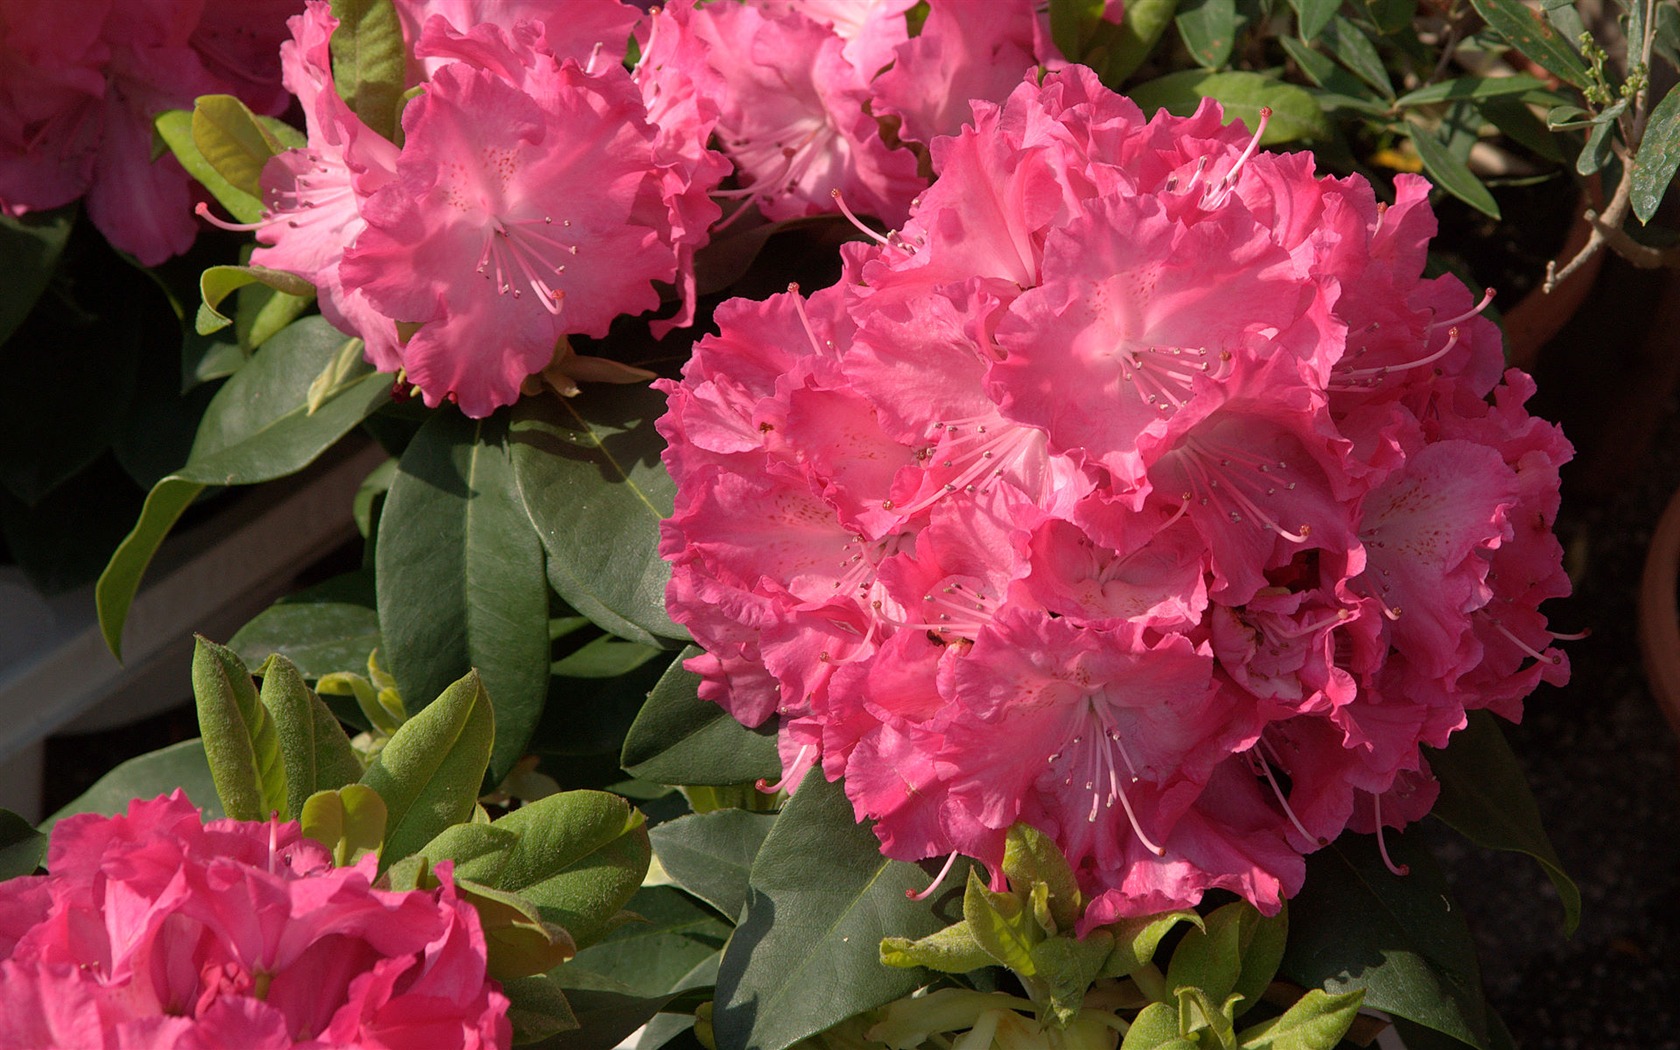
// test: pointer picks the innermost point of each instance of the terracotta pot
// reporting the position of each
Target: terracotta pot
(1659, 613)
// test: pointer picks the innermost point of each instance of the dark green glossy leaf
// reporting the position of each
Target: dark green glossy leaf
(240, 741)
(591, 715)
(369, 61)
(1208, 29)
(22, 848)
(1345, 89)
(605, 1018)
(1485, 798)
(654, 955)
(155, 773)
(329, 627)
(460, 578)
(806, 955)
(29, 249)
(1658, 158)
(1356, 925)
(537, 1008)
(1294, 113)
(681, 739)
(1390, 16)
(1450, 173)
(256, 429)
(710, 854)
(314, 750)
(1514, 119)
(430, 770)
(589, 471)
(1596, 153)
(1530, 33)
(1353, 49)
(1313, 15)
(580, 856)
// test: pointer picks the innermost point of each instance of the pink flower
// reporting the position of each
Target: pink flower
(155, 929)
(1138, 488)
(80, 85)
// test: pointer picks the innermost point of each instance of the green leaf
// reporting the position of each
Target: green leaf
(1071, 24)
(1313, 15)
(537, 1008)
(1596, 153)
(1342, 89)
(1485, 798)
(1199, 1013)
(1210, 958)
(1208, 29)
(579, 858)
(430, 770)
(256, 429)
(349, 821)
(329, 627)
(589, 472)
(951, 950)
(232, 141)
(460, 577)
(1658, 157)
(1156, 1026)
(1141, 28)
(263, 312)
(240, 741)
(1066, 966)
(666, 949)
(1473, 88)
(1294, 113)
(520, 942)
(1001, 924)
(1356, 925)
(369, 61)
(155, 773)
(710, 854)
(30, 246)
(806, 955)
(175, 127)
(1450, 173)
(1353, 49)
(21, 846)
(479, 851)
(1029, 856)
(1135, 940)
(218, 282)
(1530, 33)
(314, 749)
(1515, 120)
(1264, 941)
(681, 739)
(1317, 1021)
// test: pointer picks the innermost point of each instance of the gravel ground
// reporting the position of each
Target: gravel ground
(1601, 758)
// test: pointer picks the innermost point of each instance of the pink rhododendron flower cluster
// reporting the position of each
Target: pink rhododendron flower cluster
(80, 84)
(1139, 487)
(154, 929)
(542, 189)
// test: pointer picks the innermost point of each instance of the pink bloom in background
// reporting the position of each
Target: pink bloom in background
(154, 929)
(81, 83)
(1139, 487)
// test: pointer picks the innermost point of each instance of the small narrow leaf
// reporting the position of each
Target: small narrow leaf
(1658, 158)
(240, 740)
(430, 770)
(1208, 29)
(1450, 173)
(349, 821)
(1530, 33)
(1313, 15)
(1474, 88)
(1353, 49)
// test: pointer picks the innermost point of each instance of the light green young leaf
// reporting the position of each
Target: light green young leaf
(430, 771)
(951, 950)
(1135, 940)
(1066, 967)
(1029, 856)
(1208, 1021)
(1141, 28)
(232, 141)
(349, 821)
(339, 373)
(175, 127)
(1316, 1021)
(218, 282)
(520, 942)
(479, 851)
(1208, 29)
(1295, 115)
(1001, 924)
(240, 741)
(1210, 959)
(1155, 1028)
(314, 749)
